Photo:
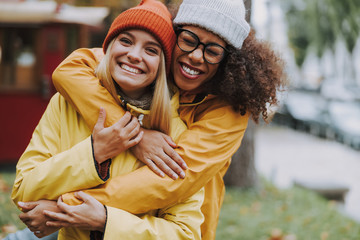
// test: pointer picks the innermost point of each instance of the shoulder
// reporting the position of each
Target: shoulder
(87, 53)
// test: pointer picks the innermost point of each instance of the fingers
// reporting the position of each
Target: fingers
(63, 206)
(154, 168)
(169, 140)
(86, 198)
(27, 206)
(169, 166)
(24, 217)
(57, 224)
(135, 140)
(175, 157)
(58, 217)
(101, 120)
(124, 120)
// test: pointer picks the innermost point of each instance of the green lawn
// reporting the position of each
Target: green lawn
(265, 214)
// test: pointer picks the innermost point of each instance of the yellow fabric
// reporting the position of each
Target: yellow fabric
(214, 134)
(59, 159)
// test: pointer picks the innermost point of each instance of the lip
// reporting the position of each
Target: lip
(187, 75)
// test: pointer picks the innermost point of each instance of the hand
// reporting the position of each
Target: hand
(90, 215)
(156, 150)
(111, 141)
(34, 218)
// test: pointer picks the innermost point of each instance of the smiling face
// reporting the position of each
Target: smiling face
(190, 70)
(134, 61)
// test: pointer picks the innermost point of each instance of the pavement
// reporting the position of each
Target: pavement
(284, 156)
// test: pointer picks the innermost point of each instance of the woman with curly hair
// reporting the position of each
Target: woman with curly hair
(225, 76)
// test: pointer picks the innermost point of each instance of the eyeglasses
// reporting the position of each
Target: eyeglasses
(188, 42)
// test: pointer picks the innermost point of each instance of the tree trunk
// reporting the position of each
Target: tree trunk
(242, 171)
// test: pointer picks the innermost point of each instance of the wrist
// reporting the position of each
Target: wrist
(102, 221)
(97, 155)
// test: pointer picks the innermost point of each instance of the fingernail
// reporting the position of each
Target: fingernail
(175, 176)
(184, 165)
(21, 204)
(182, 175)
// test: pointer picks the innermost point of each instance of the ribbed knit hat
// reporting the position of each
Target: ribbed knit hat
(151, 16)
(225, 18)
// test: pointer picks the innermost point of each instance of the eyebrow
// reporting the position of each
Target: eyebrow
(148, 42)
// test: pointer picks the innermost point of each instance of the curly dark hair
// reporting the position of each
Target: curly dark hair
(249, 78)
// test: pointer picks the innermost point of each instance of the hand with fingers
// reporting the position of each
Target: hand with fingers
(90, 215)
(34, 218)
(111, 141)
(156, 150)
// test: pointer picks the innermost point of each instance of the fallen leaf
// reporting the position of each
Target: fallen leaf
(324, 236)
(4, 187)
(9, 228)
(276, 234)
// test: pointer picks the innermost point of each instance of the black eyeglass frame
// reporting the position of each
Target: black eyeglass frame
(180, 30)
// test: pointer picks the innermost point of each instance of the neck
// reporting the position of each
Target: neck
(141, 100)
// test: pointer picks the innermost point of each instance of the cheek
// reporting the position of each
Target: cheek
(212, 70)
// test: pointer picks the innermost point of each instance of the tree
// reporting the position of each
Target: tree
(321, 24)
(242, 171)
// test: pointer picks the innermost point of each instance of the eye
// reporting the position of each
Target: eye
(214, 50)
(152, 51)
(188, 40)
(125, 41)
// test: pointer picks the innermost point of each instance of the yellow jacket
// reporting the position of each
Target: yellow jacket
(214, 134)
(59, 159)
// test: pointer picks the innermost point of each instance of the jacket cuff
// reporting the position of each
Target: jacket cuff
(103, 169)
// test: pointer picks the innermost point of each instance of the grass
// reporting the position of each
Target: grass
(264, 214)
(9, 220)
(273, 214)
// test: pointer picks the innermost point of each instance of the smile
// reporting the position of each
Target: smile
(130, 69)
(189, 70)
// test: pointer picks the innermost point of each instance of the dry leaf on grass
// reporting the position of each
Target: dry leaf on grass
(9, 228)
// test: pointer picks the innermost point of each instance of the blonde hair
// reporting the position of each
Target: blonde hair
(160, 109)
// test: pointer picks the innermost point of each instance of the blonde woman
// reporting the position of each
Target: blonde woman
(64, 156)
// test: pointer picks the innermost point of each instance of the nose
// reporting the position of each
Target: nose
(134, 54)
(197, 56)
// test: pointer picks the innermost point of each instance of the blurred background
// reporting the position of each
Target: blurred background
(312, 142)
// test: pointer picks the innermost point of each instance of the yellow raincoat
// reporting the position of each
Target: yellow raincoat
(214, 134)
(59, 159)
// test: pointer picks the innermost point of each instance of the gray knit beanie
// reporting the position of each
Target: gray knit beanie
(225, 18)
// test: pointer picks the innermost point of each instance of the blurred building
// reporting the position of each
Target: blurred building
(35, 36)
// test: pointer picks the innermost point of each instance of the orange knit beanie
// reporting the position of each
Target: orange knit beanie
(151, 16)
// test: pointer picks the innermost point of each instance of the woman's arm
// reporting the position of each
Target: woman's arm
(76, 74)
(181, 221)
(206, 147)
(215, 133)
(46, 170)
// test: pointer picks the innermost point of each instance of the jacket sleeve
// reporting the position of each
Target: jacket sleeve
(44, 171)
(181, 221)
(76, 74)
(206, 147)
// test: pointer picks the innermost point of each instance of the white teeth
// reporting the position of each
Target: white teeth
(130, 69)
(190, 71)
